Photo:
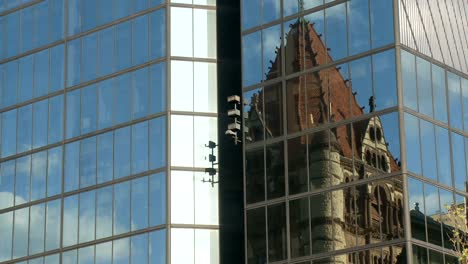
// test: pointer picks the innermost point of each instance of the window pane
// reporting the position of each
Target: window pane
(157, 203)
(20, 237)
(140, 93)
(157, 88)
(428, 150)
(182, 86)
(87, 216)
(9, 133)
(26, 67)
(89, 57)
(182, 240)
(86, 255)
(42, 23)
(271, 10)
(88, 162)
(24, 128)
(104, 253)
(252, 58)
(88, 109)
(459, 160)
(37, 225)
(104, 212)
(139, 5)
(122, 8)
(299, 227)
(256, 237)
(41, 73)
(122, 100)
(140, 40)
(52, 259)
(53, 222)
(276, 229)
(121, 254)
(104, 15)
(409, 81)
(140, 147)
(90, 15)
(122, 152)
(254, 171)
(182, 197)
(455, 103)
(385, 91)
(273, 104)
(412, 144)
(7, 233)
(382, 22)
(182, 140)
(275, 170)
(336, 31)
(205, 130)
(297, 165)
(205, 87)
(206, 201)
(181, 32)
(38, 175)
(10, 95)
(73, 61)
(157, 142)
(72, 166)
(106, 51)
(424, 86)
(73, 114)
(41, 124)
(70, 220)
(439, 92)
(57, 19)
(204, 30)
(443, 156)
(7, 184)
(54, 171)
(157, 247)
(251, 13)
(139, 204)
(27, 32)
(23, 172)
(140, 249)
(74, 17)
(358, 24)
(12, 38)
(123, 45)
(57, 72)
(105, 103)
(157, 34)
(206, 246)
(56, 119)
(121, 208)
(105, 151)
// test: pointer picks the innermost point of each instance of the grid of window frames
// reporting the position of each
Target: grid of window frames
(322, 150)
(83, 131)
(436, 141)
(193, 105)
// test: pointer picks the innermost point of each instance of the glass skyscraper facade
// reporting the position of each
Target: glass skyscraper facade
(355, 121)
(106, 107)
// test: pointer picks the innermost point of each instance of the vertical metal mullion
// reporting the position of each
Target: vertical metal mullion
(168, 132)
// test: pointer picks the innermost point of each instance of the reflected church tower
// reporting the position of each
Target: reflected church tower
(335, 156)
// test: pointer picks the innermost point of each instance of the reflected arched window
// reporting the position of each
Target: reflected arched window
(368, 157)
(378, 133)
(372, 133)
